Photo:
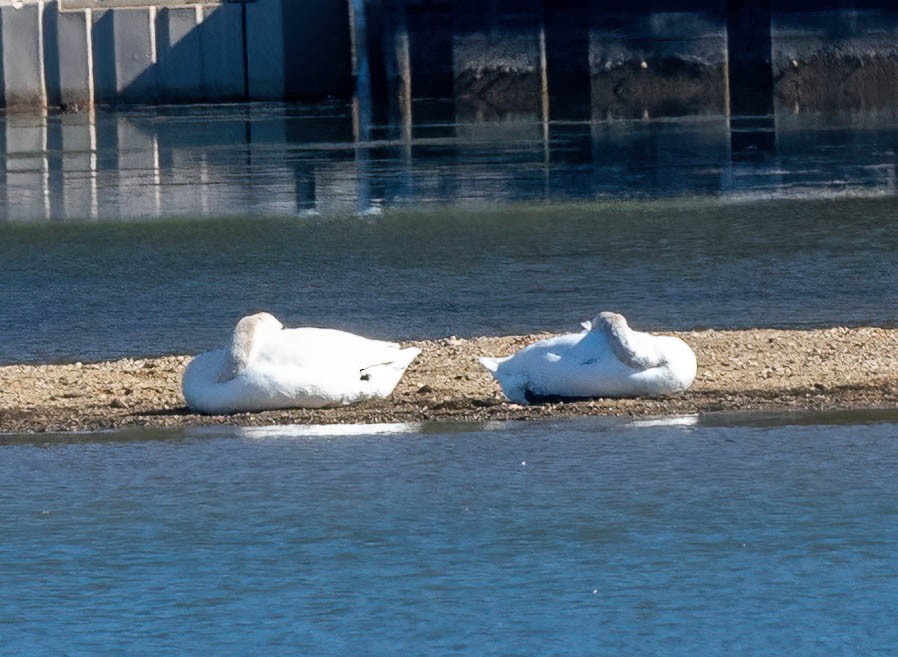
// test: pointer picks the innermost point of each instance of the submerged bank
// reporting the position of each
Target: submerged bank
(759, 369)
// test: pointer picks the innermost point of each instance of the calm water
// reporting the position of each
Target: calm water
(722, 536)
(152, 231)
(285, 160)
(93, 291)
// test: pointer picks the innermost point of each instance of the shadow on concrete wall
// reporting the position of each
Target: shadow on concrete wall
(213, 60)
(267, 50)
(194, 63)
(317, 49)
(568, 59)
(631, 59)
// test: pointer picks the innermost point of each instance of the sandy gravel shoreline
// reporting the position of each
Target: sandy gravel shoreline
(760, 369)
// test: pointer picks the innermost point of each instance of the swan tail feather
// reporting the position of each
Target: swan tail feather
(490, 363)
(382, 378)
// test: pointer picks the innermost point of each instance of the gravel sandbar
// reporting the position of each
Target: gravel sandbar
(758, 369)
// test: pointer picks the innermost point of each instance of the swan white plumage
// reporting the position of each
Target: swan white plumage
(607, 359)
(267, 366)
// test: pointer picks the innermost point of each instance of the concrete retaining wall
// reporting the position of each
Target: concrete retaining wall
(836, 58)
(583, 58)
(633, 58)
(168, 52)
(670, 63)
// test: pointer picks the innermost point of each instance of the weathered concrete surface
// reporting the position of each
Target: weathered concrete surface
(179, 54)
(171, 51)
(135, 55)
(102, 39)
(497, 73)
(222, 65)
(23, 56)
(495, 58)
(836, 59)
(75, 90)
(265, 50)
(660, 64)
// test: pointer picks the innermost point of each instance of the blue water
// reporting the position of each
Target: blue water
(716, 536)
(290, 159)
(151, 231)
(96, 291)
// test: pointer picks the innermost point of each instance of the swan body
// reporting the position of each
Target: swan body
(267, 366)
(607, 359)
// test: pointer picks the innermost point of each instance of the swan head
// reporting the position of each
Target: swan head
(607, 321)
(247, 334)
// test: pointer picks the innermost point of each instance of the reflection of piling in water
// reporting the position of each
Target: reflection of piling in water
(361, 104)
(27, 166)
(573, 85)
(750, 82)
(285, 160)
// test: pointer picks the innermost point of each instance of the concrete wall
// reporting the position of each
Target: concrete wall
(21, 37)
(641, 58)
(658, 63)
(583, 58)
(173, 51)
(835, 58)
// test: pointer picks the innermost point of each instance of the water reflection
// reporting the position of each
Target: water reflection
(601, 427)
(91, 291)
(325, 430)
(252, 159)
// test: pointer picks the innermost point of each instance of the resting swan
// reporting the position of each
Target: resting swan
(268, 366)
(607, 359)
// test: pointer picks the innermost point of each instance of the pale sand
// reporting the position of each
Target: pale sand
(747, 370)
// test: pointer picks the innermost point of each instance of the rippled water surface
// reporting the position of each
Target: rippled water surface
(93, 291)
(589, 537)
(152, 231)
(258, 159)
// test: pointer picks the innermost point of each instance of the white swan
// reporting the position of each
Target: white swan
(268, 366)
(607, 359)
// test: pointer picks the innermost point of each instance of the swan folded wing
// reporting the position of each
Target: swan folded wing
(392, 356)
(334, 365)
(277, 385)
(327, 348)
(576, 377)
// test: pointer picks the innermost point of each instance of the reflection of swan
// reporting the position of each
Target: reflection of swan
(328, 430)
(666, 422)
(607, 359)
(267, 366)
